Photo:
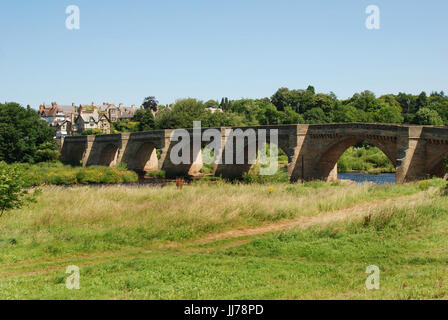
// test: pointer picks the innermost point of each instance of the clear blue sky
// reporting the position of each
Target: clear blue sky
(208, 49)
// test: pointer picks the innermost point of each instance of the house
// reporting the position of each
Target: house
(110, 110)
(104, 124)
(126, 113)
(70, 119)
(60, 117)
(64, 129)
(90, 120)
(57, 113)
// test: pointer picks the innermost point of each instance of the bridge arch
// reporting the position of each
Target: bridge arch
(146, 158)
(437, 165)
(109, 155)
(325, 166)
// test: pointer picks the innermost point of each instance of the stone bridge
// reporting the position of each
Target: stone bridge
(418, 152)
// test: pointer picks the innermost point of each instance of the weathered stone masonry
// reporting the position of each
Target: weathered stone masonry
(418, 152)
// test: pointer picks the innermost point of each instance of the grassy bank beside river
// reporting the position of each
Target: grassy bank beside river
(367, 159)
(55, 173)
(225, 241)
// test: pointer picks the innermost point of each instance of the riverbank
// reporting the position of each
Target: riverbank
(311, 240)
(366, 159)
(56, 173)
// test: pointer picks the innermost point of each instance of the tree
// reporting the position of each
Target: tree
(366, 101)
(147, 122)
(324, 101)
(268, 115)
(138, 115)
(426, 116)
(348, 113)
(182, 114)
(248, 109)
(22, 134)
(408, 102)
(47, 151)
(225, 104)
(422, 100)
(311, 89)
(316, 115)
(12, 188)
(223, 119)
(289, 116)
(388, 114)
(150, 103)
(211, 104)
(281, 98)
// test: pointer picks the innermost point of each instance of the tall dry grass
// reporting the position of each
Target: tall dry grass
(120, 215)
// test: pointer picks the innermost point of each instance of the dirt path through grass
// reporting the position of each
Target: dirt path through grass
(235, 237)
(363, 209)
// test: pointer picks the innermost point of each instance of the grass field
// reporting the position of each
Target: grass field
(229, 241)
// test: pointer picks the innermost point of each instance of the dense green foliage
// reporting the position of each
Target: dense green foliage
(366, 158)
(55, 173)
(12, 184)
(299, 106)
(23, 136)
(147, 121)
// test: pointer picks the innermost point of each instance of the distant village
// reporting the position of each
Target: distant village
(69, 120)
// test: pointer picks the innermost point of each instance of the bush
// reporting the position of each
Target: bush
(129, 176)
(12, 192)
(61, 178)
(111, 176)
(161, 174)
(423, 185)
(254, 177)
(59, 174)
(88, 176)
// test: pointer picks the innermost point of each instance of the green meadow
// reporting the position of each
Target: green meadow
(216, 240)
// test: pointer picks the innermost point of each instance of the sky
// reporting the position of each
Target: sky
(209, 49)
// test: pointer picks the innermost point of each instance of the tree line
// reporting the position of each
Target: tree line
(26, 138)
(287, 106)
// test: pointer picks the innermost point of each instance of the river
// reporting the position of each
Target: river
(382, 178)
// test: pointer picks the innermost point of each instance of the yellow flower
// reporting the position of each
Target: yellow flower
(271, 190)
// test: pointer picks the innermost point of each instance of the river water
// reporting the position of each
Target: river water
(382, 178)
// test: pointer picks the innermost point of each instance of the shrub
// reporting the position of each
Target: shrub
(254, 177)
(111, 176)
(61, 178)
(87, 176)
(423, 185)
(59, 174)
(12, 184)
(161, 174)
(129, 176)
